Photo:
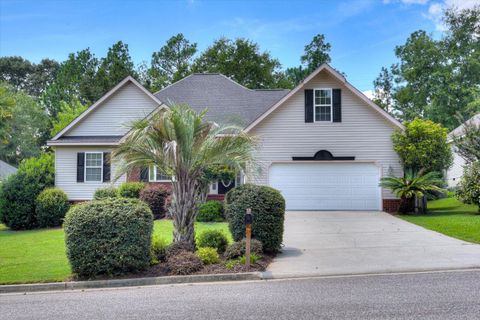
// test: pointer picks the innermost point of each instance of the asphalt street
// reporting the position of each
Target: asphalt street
(439, 295)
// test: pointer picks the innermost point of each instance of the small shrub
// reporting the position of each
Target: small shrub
(108, 237)
(155, 196)
(50, 207)
(105, 193)
(237, 249)
(230, 264)
(210, 211)
(177, 247)
(214, 239)
(268, 210)
(185, 262)
(208, 255)
(130, 189)
(159, 249)
(253, 259)
(469, 186)
(20, 190)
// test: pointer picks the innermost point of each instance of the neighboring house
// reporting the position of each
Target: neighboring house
(324, 145)
(455, 172)
(6, 170)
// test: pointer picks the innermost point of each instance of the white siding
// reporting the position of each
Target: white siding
(456, 170)
(66, 173)
(363, 133)
(113, 116)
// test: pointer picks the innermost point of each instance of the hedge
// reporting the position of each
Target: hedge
(155, 197)
(50, 207)
(108, 237)
(268, 210)
(130, 189)
(105, 193)
(210, 211)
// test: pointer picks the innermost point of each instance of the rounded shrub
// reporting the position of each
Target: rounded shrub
(130, 189)
(20, 190)
(208, 255)
(237, 249)
(159, 249)
(268, 210)
(155, 197)
(105, 193)
(109, 237)
(185, 262)
(469, 186)
(50, 207)
(210, 211)
(213, 239)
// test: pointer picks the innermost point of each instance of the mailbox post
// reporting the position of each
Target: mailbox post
(248, 236)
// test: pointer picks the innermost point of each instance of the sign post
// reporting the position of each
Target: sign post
(248, 236)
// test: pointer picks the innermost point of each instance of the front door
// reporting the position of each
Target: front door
(225, 186)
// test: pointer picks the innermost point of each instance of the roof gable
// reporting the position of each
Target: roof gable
(104, 99)
(327, 68)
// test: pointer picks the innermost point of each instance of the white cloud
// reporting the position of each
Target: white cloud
(435, 10)
(406, 1)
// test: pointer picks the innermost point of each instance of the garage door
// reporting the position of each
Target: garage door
(327, 186)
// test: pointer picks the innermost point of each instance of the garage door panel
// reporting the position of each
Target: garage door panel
(327, 186)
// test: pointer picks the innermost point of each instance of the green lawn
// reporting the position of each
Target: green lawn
(39, 255)
(450, 217)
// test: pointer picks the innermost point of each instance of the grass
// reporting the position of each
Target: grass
(39, 255)
(450, 217)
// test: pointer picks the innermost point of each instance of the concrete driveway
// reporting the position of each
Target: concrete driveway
(341, 242)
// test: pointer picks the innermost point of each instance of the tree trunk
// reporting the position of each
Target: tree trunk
(184, 209)
(407, 205)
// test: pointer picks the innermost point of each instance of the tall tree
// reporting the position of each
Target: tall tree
(172, 62)
(384, 90)
(25, 132)
(240, 60)
(68, 112)
(75, 80)
(438, 79)
(315, 54)
(116, 66)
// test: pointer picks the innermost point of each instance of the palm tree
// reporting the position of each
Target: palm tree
(412, 185)
(182, 145)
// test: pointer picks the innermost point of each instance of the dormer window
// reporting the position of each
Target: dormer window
(322, 105)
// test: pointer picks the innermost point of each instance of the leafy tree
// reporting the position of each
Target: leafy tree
(24, 75)
(383, 90)
(241, 60)
(437, 79)
(75, 80)
(413, 185)
(25, 131)
(315, 54)
(181, 144)
(172, 62)
(7, 102)
(423, 146)
(467, 143)
(115, 67)
(68, 112)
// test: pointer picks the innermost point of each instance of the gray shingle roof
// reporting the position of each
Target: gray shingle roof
(88, 139)
(459, 131)
(227, 101)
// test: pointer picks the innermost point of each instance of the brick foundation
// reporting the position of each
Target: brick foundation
(216, 197)
(391, 205)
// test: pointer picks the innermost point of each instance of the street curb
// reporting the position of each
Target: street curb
(134, 282)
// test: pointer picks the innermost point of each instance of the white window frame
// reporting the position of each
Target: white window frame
(323, 105)
(95, 167)
(155, 175)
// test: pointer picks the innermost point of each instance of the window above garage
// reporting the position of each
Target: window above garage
(323, 104)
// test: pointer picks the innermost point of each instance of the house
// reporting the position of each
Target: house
(6, 170)
(455, 172)
(324, 144)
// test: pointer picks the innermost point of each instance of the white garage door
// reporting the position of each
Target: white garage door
(327, 186)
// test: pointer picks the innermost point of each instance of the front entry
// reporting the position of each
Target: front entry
(224, 187)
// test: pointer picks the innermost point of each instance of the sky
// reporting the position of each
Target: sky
(363, 33)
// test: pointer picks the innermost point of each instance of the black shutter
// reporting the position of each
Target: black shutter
(308, 105)
(106, 167)
(80, 166)
(337, 105)
(144, 175)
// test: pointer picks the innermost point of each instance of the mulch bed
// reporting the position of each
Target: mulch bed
(160, 270)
